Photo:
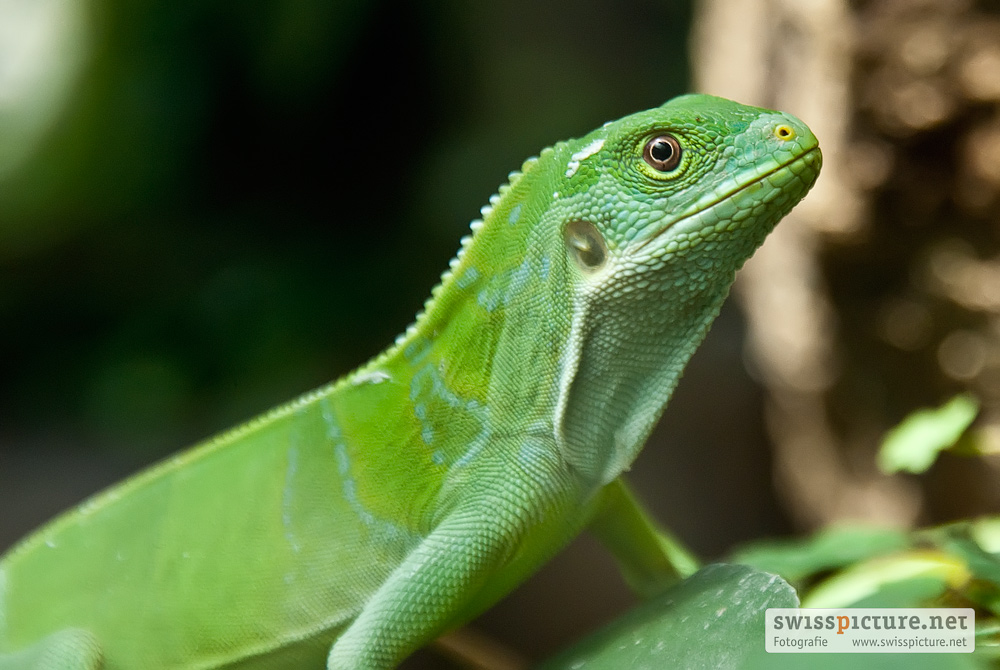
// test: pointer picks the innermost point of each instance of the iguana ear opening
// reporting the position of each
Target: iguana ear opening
(586, 245)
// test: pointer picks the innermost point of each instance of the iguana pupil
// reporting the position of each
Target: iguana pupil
(663, 153)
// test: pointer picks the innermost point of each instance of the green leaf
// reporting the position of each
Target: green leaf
(983, 564)
(713, 619)
(986, 532)
(902, 580)
(831, 548)
(914, 444)
(966, 541)
(871, 662)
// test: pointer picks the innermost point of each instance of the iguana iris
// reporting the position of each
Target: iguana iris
(354, 524)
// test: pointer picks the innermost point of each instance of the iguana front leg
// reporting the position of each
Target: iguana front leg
(439, 577)
(449, 567)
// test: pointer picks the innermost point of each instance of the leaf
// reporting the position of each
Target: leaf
(986, 532)
(901, 580)
(914, 444)
(871, 662)
(713, 619)
(831, 548)
(969, 541)
(983, 564)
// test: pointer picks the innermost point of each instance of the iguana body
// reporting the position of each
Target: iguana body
(351, 526)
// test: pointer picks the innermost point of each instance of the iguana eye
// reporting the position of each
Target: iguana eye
(663, 153)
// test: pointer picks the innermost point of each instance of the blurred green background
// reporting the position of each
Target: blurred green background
(207, 208)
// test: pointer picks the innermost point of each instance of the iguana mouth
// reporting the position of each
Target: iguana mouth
(811, 155)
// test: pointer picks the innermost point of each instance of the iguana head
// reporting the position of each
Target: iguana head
(657, 212)
(593, 276)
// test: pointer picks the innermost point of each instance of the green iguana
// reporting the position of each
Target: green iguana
(351, 526)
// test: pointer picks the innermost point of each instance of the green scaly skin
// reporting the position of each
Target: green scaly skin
(353, 525)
